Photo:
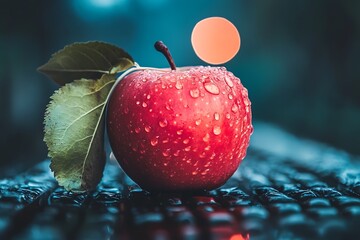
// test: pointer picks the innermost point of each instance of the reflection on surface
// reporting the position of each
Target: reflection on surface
(240, 237)
(268, 198)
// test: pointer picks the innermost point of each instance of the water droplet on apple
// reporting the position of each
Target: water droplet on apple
(207, 148)
(144, 104)
(137, 130)
(166, 153)
(154, 142)
(228, 116)
(147, 129)
(137, 102)
(230, 96)
(187, 149)
(244, 92)
(206, 137)
(178, 85)
(229, 82)
(176, 153)
(179, 132)
(204, 173)
(194, 93)
(202, 155)
(148, 96)
(204, 78)
(167, 106)
(165, 164)
(194, 173)
(186, 141)
(163, 123)
(246, 102)
(211, 88)
(216, 116)
(217, 130)
(197, 122)
(234, 108)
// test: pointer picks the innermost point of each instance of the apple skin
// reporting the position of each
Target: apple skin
(179, 130)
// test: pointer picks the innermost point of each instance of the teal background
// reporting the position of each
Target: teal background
(298, 59)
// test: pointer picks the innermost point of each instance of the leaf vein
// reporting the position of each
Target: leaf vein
(87, 56)
(79, 140)
(98, 90)
(102, 55)
(78, 118)
(91, 141)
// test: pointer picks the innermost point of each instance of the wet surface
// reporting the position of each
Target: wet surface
(271, 196)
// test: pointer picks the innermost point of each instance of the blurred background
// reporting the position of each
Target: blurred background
(298, 59)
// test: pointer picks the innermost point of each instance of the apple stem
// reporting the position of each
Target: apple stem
(161, 47)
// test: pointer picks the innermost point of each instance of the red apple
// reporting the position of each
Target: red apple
(179, 129)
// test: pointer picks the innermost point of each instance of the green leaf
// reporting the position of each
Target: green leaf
(88, 60)
(74, 132)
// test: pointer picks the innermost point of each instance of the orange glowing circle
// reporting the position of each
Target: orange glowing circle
(215, 40)
(239, 237)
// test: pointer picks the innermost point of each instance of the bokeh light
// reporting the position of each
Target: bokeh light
(239, 237)
(152, 4)
(215, 40)
(95, 10)
(103, 3)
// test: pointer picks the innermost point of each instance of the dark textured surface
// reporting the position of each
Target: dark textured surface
(290, 189)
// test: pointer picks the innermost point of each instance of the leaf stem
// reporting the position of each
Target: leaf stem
(130, 70)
